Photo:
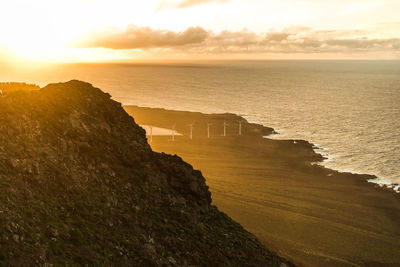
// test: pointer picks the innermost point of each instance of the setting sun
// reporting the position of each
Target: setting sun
(200, 133)
(121, 30)
(38, 30)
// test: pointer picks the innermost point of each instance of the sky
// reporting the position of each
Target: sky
(130, 30)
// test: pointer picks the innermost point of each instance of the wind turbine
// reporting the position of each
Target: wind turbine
(208, 129)
(151, 134)
(173, 132)
(225, 124)
(191, 130)
(240, 121)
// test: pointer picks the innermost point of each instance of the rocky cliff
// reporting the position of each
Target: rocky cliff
(80, 186)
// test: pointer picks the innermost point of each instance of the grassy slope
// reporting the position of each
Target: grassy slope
(314, 216)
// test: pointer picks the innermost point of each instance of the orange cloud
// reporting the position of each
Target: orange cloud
(145, 37)
(291, 40)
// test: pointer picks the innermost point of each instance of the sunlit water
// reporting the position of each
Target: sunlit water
(351, 109)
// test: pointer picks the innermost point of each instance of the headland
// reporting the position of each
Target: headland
(307, 213)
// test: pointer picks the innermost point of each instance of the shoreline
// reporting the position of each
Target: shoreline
(375, 179)
(306, 212)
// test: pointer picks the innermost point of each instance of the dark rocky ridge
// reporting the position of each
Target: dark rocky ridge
(81, 186)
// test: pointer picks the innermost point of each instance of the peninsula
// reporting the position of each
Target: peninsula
(309, 214)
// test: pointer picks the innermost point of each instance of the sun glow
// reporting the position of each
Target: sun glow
(42, 30)
(47, 30)
(54, 30)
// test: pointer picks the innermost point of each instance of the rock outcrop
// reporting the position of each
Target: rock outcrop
(81, 186)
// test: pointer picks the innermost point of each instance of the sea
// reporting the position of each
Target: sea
(349, 109)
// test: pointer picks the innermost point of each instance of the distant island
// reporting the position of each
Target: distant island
(80, 186)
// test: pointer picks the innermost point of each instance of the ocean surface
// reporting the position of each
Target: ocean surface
(350, 109)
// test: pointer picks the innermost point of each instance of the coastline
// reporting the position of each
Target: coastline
(372, 178)
(308, 213)
(375, 179)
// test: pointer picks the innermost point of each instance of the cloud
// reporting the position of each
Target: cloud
(365, 44)
(187, 3)
(197, 40)
(239, 38)
(145, 37)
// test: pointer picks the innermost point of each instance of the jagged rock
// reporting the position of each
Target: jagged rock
(81, 186)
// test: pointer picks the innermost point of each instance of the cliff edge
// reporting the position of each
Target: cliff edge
(81, 186)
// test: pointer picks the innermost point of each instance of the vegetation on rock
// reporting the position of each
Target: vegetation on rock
(81, 186)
